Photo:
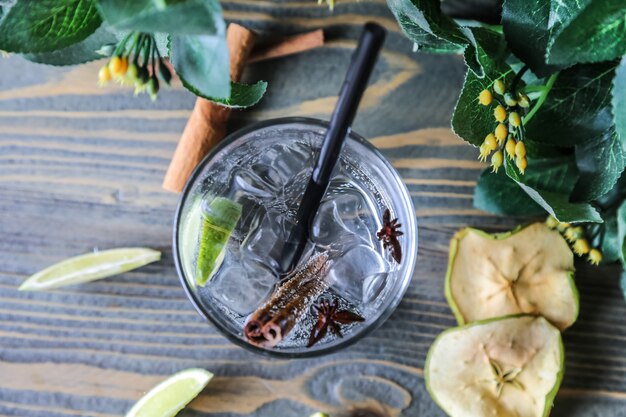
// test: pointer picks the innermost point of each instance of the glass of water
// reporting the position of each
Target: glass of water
(241, 202)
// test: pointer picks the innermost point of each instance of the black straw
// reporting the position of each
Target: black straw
(357, 77)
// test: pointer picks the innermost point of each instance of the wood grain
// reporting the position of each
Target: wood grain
(81, 167)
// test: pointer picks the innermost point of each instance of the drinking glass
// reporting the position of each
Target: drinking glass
(265, 168)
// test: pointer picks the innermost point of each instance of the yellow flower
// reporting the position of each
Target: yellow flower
(499, 87)
(484, 153)
(523, 100)
(490, 142)
(520, 149)
(104, 75)
(514, 119)
(509, 100)
(501, 132)
(581, 247)
(594, 257)
(499, 113)
(573, 233)
(510, 147)
(485, 97)
(496, 161)
(118, 66)
(521, 163)
(552, 222)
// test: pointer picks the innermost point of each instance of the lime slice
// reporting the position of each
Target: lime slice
(90, 267)
(171, 395)
(219, 221)
(188, 239)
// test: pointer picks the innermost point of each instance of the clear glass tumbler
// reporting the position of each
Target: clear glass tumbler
(264, 168)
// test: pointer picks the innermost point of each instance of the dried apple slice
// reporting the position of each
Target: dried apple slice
(507, 367)
(528, 270)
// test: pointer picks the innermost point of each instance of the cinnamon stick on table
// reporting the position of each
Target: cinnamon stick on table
(208, 121)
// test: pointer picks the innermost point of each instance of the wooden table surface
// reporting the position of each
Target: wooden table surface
(81, 168)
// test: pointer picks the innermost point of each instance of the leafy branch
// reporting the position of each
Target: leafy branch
(68, 32)
(566, 57)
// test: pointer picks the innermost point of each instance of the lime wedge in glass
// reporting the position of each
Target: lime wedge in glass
(90, 267)
(171, 395)
(219, 219)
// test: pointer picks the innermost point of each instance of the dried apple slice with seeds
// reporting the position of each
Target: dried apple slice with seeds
(528, 270)
(507, 367)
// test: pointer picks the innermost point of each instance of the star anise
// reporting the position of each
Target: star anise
(328, 316)
(388, 234)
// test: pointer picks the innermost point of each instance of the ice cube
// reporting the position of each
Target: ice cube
(262, 246)
(349, 272)
(340, 220)
(268, 174)
(243, 286)
(373, 286)
(288, 159)
(247, 183)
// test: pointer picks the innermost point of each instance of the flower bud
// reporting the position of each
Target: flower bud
(118, 66)
(501, 132)
(510, 147)
(520, 149)
(485, 97)
(499, 113)
(153, 87)
(563, 226)
(132, 72)
(574, 233)
(514, 119)
(499, 87)
(509, 100)
(595, 257)
(523, 100)
(490, 142)
(165, 73)
(484, 153)
(581, 247)
(104, 75)
(552, 222)
(496, 161)
(521, 163)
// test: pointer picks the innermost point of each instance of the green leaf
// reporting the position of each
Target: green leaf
(531, 25)
(241, 95)
(578, 107)
(578, 112)
(547, 182)
(498, 194)
(180, 17)
(596, 34)
(78, 53)
(618, 103)
(47, 25)
(202, 61)
(471, 120)
(601, 163)
(611, 243)
(423, 22)
(486, 53)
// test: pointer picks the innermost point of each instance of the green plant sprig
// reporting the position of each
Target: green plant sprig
(192, 33)
(569, 61)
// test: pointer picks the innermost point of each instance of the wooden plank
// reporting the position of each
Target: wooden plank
(81, 167)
